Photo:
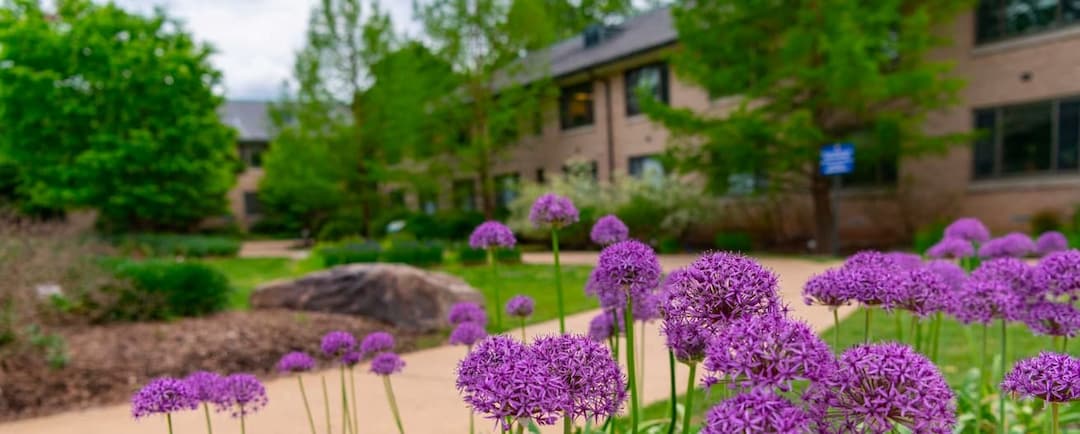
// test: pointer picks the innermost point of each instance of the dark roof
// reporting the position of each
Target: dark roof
(249, 118)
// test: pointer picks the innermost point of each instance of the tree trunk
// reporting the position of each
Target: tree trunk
(820, 187)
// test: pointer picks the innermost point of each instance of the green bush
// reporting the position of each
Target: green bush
(733, 241)
(669, 245)
(928, 235)
(1044, 221)
(349, 252)
(339, 229)
(276, 227)
(195, 246)
(163, 289)
(470, 256)
(418, 253)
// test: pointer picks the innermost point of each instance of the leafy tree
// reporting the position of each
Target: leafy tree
(570, 17)
(114, 111)
(807, 73)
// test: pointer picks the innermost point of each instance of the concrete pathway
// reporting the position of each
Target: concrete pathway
(273, 249)
(425, 391)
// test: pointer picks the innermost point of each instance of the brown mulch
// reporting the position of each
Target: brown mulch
(108, 363)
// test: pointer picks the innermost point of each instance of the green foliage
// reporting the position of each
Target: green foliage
(534, 281)
(469, 256)
(1045, 221)
(928, 235)
(51, 344)
(163, 289)
(195, 246)
(113, 111)
(412, 252)
(733, 242)
(340, 227)
(349, 252)
(450, 225)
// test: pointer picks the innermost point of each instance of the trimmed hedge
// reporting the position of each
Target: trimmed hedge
(349, 252)
(470, 256)
(418, 253)
(163, 289)
(733, 241)
(195, 246)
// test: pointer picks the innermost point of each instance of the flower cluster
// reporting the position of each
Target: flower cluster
(719, 288)
(520, 306)
(768, 351)
(1012, 245)
(686, 338)
(162, 396)
(757, 411)
(376, 342)
(968, 229)
(955, 248)
(241, 394)
(873, 278)
(609, 230)
(491, 234)
(501, 378)
(983, 301)
(1053, 319)
(605, 323)
(832, 288)
(337, 343)
(592, 381)
(296, 362)
(1050, 242)
(1051, 377)
(1058, 274)
(552, 209)
(467, 334)
(950, 273)
(627, 268)
(467, 312)
(386, 363)
(878, 388)
(207, 386)
(922, 292)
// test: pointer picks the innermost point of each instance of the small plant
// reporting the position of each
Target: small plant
(53, 345)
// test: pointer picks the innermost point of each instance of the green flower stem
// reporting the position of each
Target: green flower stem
(936, 338)
(393, 403)
(523, 329)
(495, 281)
(689, 402)
(674, 393)
(346, 423)
(558, 279)
(1054, 428)
(520, 428)
(243, 425)
(836, 328)
(866, 326)
(982, 381)
(206, 412)
(472, 422)
(1002, 423)
(326, 403)
(628, 319)
(899, 326)
(168, 420)
(641, 361)
(1065, 344)
(352, 391)
(567, 425)
(307, 406)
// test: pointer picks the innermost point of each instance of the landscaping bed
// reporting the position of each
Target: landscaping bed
(108, 363)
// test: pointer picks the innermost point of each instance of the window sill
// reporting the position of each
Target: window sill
(577, 131)
(1019, 42)
(1023, 183)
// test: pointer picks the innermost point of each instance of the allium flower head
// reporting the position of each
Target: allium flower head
(1059, 273)
(467, 333)
(205, 385)
(983, 301)
(1050, 242)
(1052, 319)
(520, 306)
(627, 267)
(951, 273)
(604, 324)
(968, 228)
(647, 307)
(386, 363)
(686, 338)
(376, 342)
(1017, 275)
(922, 292)
(768, 351)
(467, 311)
(491, 234)
(873, 285)
(296, 361)
(883, 386)
(352, 358)
(1050, 377)
(593, 382)
(337, 343)
(552, 209)
(242, 395)
(757, 411)
(871, 259)
(719, 288)
(904, 260)
(955, 248)
(1012, 245)
(832, 288)
(609, 230)
(161, 396)
(503, 379)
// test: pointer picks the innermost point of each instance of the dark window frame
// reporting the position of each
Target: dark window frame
(252, 206)
(630, 84)
(990, 148)
(992, 25)
(566, 122)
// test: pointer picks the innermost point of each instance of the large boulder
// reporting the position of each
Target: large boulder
(407, 297)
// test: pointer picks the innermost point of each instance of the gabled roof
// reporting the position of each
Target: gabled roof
(644, 32)
(249, 118)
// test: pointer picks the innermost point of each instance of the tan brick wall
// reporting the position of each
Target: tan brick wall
(246, 181)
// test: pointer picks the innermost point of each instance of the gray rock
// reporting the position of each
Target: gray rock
(407, 297)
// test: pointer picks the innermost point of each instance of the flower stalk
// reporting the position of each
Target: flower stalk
(558, 278)
(307, 406)
(689, 402)
(628, 319)
(495, 279)
(393, 404)
(674, 394)
(206, 412)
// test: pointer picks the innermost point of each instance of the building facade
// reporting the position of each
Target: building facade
(252, 124)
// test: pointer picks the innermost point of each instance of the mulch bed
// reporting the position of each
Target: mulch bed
(108, 363)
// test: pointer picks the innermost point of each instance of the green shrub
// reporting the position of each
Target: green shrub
(195, 246)
(418, 253)
(349, 252)
(508, 256)
(733, 241)
(669, 245)
(456, 225)
(163, 289)
(276, 227)
(928, 235)
(1044, 221)
(470, 256)
(339, 229)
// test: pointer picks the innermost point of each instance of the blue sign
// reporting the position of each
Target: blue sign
(837, 159)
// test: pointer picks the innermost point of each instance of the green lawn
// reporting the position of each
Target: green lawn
(246, 273)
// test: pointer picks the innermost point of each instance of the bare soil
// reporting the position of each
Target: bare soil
(108, 363)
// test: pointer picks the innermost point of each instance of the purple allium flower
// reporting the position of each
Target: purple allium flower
(1059, 273)
(871, 259)
(603, 325)
(874, 285)
(467, 333)
(969, 229)
(922, 292)
(882, 386)
(768, 351)
(593, 382)
(719, 288)
(386, 363)
(467, 311)
(757, 411)
(337, 343)
(626, 267)
(1051, 241)
(376, 342)
(352, 358)
(904, 260)
(983, 301)
(832, 288)
(685, 338)
(951, 273)
(1017, 275)
(242, 394)
(609, 230)
(1012, 245)
(552, 209)
(503, 379)
(161, 396)
(206, 386)
(296, 361)
(951, 248)
(1053, 319)
(491, 234)
(520, 306)
(1053, 377)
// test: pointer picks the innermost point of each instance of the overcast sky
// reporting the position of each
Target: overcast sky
(255, 39)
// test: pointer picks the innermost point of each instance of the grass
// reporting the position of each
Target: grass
(246, 273)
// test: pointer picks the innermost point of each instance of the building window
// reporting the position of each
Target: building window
(576, 106)
(646, 167)
(1033, 138)
(540, 176)
(251, 153)
(464, 192)
(653, 78)
(252, 207)
(1002, 19)
(429, 201)
(506, 190)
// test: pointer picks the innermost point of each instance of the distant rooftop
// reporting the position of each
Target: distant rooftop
(249, 118)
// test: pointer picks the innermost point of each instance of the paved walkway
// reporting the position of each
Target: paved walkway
(425, 390)
(272, 249)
